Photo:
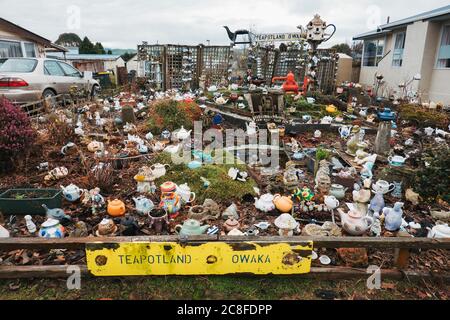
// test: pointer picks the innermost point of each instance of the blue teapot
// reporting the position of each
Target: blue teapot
(387, 115)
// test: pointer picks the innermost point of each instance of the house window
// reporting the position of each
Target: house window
(10, 49)
(373, 52)
(399, 48)
(30, 49)
(444, 49)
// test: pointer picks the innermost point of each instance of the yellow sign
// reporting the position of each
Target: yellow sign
(212, 258)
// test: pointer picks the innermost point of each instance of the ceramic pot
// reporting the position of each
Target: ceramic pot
(116, 208)
(158, 219)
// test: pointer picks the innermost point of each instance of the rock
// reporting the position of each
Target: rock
(354, 257)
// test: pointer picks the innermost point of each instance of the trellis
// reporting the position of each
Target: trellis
(215, 63)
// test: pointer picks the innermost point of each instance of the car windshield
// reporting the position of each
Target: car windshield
(17, 65)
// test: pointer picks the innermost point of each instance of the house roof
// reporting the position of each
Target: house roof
(388, 27)
(31, 35)
(100, 57)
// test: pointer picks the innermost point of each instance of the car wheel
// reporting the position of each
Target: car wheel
(95, 91)
(48, 93)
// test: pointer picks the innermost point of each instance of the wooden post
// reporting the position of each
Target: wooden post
(402, 256)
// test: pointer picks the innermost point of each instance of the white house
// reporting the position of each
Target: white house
(413, 51)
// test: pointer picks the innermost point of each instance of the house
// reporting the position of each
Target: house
(133, 64)
(414, 52)
(16, 41)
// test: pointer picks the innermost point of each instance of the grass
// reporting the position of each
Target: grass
(222, 188)
(195, 288)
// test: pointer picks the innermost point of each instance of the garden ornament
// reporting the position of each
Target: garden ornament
(143, 205)
(393, 217)
(412, 197)
(230, 212)
(72, 193)
(51, 229)
(106, 228)
(237, 175)
(355, 223)
(265, 203)
(116, 208)
(158, 219)
(191, 227)
(286, 225)
(170, 199)
(57, 174)
(31, 227)
(439, 232)
(56, 214)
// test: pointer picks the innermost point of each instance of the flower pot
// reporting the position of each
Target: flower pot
(158, 219)
(12, 202)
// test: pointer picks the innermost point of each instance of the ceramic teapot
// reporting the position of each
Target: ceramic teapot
(393, 217)
(72, 193)
(439, 232)
(158, 146)
(252, 128)
(283, 204)
(191, 227)
(429, 131)
(397, 161)
(231, 224)
(185, 193)
(143, 205)
(338, 191)
(159, 170)
(265, 203)
(355, 223)
(116, 208)
(331, 109)
(170, 199)
(331, 202)
(383, 187)
(51, 229)
(345, 132)
(183, 134)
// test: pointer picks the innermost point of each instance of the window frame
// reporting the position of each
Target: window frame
(79, 75)
(25, 51)
(395, 35)
(441, 35)
(53, 75)
(14, 41)
(377, 56)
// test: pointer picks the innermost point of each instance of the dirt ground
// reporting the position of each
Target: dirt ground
(200, 288)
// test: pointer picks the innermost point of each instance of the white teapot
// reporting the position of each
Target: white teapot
(185, 193)
(72, 193)
(265, 203)
(183, 134)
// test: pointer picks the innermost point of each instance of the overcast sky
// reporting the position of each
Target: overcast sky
(124, 24)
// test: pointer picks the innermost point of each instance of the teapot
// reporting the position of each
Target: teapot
(183, 134)
(191, 227)
(429, 131)
(331, 109)
(165, 135)
(116, 208)
(439, 232)
(252, 128)
(170, 199)
(158, 146)
(283, 204)
(338, 191)
(331, 202)
(393, 217)
(159, 170)
(143, 205)
(383, 187)
(386, 115)
(355, 223)
(397, 161)
(231, 224)
(51, 229)
(344, 132)
(72, 193)
(265, 203)
(185, 193)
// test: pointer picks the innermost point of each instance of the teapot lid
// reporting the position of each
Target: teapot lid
(168, 186)
(50, 223)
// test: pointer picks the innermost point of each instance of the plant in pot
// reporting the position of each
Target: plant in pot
(16, 134)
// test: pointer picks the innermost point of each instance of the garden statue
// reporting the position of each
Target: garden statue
(144, 180)
(362, 197)
(170, 199)
(286, 225)
(352, 144)
(31, 227)
(393, 217)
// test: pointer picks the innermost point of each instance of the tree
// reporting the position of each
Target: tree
(109, 51)
(343, 48)
(87, 47)
(98, 48)
(127, 56)
(68, 40)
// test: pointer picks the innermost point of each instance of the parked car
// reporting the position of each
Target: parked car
(31, 79)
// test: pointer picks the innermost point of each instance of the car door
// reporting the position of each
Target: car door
(56, 76)
(73, 76)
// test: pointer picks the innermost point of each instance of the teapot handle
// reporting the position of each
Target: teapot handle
(391, 187)
(178, 228)
(193, 197)
(390, 159)
(167, 165)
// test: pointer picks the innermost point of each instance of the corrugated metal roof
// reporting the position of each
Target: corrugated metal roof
(389, 26)
(110, 57)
